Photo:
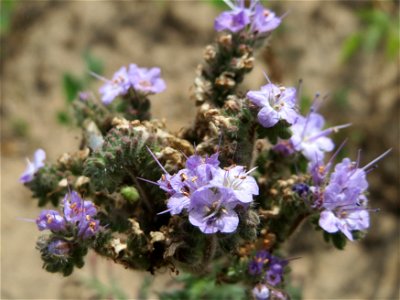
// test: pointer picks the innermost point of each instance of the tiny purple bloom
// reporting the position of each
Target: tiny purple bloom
(275, 103)
(257, 264)
(146, 80)
(264, 20)
(118, 86)
(32, 168)
(240, 182)
(196, 160)
(318, 171)
(88, 227)
(309, 137)
(83, 96)
(233, 21)
(51, 220)
(75, 208)
(260, 292)
(344, 203)
(212, 210)
(345, 222)
(301, 189)
(274, 273)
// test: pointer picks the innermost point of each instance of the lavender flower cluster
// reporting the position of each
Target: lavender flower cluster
(279, 103)
(340, 195)
(142, 80)
(254, 17)
(77, 219)
(208, 193)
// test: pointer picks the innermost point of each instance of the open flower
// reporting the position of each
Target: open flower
(78, 217)
(33, 167)
(276, 103)
(344, 204)
(51, 220)
(146, 80)
(259, 19)
(239, 181)
(118, 86)
(235, 19)
(264, 20)
(207, 193)
(310, 138)
(212, 210)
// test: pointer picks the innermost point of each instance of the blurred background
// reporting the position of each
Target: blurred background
(348, 50)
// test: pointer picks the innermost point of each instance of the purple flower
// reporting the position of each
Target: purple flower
(146, 80)
(344, 203)
(76, 209)
(310, 139)
(84, 96)
(318, 171)
(275, 270)
(275, 103)
(51, 220)
(212, 210)
(343, 200)
(208, 193)
(118, 86)
(88, 227)
(344, 221)
(260, 292)
(301, 189)
(195, 161)
(257, 264)
(238, 181)
(264, 20)
(58, 247)
(78, 215)
(32, 168)
(233, 21)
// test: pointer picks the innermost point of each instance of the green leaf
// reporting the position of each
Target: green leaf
(63, 117)
(393, 43)
(372, 37)
(72, 86)
(7, 8)
(350, 46)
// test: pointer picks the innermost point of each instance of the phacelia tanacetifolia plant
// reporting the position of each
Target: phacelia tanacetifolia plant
(149, 199)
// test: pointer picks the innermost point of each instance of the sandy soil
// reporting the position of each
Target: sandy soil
(48, 38)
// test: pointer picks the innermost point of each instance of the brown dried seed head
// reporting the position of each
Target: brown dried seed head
(225, 40)
(209, 53)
